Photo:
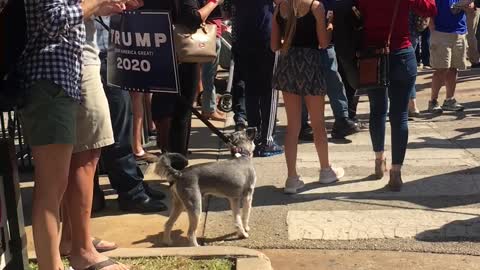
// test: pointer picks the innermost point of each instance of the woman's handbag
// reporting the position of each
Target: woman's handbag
(197, 46)
(373, 63)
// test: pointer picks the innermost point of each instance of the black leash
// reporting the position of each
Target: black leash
(202, 118)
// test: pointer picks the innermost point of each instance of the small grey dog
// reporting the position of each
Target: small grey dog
(232, 179)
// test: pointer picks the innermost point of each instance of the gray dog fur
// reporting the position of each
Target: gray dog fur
(232, 179)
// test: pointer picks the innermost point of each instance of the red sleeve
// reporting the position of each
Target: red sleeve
(424, 8)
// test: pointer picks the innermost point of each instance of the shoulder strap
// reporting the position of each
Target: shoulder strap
(311, 5)
(394, 18)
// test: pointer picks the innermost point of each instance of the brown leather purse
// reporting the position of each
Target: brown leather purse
(373, 63)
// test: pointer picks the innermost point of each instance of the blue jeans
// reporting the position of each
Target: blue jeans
(209, 71)
(335, 88)
(403, 73)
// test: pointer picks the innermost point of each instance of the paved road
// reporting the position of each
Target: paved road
(437, 211)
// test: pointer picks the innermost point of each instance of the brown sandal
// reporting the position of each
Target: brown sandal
(96, 243)
(101, 265)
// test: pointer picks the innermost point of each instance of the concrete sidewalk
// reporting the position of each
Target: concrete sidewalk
(436, 212)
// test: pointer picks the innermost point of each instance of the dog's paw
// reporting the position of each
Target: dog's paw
(243, 235)
(193, 244)
(247, 228)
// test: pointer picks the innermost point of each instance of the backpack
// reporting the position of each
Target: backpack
(347, 37)
(12, 44)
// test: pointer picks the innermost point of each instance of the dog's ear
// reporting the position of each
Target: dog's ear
(251, 133)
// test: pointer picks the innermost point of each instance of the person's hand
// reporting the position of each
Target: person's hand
(134, 4)
(109, 8)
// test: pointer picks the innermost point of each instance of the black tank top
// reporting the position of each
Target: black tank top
(305, 32)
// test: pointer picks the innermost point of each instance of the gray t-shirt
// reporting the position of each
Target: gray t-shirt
(90, 49)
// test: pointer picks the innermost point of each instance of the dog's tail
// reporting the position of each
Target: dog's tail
(171, 165)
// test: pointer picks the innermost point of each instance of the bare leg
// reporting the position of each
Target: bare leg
(438, 80)
(51, 178)
(66, 239)
(235, 204)
(293, 107)
(451, 82)
(177, 209)
(78, 201)
(148, 105)
(138, 113)
(316, 108)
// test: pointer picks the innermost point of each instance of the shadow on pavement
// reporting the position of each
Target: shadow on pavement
(271, 195)
(456, 231)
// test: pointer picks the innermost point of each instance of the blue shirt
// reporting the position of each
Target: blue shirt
(55, 39)
(446, 21)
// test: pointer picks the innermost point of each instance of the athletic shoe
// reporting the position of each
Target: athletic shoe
(331, 175)
(293, 184)
(452, 105)
(434, 107)
(413, 113)
(264, 150)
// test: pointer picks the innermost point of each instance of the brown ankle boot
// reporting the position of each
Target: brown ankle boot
(380, 168)
(395, 184)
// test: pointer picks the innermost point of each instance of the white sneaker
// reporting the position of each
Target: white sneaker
(293, 184)
(331, 175)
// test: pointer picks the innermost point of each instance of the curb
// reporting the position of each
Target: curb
(246, 259)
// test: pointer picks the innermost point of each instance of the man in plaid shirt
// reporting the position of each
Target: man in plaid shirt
(50, 71)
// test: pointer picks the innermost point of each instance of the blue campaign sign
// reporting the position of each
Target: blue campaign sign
(141, 55)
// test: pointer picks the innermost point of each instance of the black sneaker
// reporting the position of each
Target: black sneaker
(155, 194)
(264, 150)
(306, 134)
(141, 203)
(343, 128)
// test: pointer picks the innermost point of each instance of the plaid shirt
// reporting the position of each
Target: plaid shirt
(56, 35)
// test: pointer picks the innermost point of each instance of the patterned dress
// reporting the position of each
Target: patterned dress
(299, 71)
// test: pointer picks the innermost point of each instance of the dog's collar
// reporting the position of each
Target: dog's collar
(239, 152)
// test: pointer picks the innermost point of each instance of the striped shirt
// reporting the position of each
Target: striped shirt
(55, 39)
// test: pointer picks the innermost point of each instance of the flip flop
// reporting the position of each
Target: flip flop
(101, 265)
(96, 243)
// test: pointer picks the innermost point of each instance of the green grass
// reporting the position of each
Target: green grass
(171, 263)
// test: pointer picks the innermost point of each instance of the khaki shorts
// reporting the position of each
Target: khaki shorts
(94, 126)
(448, 50)
(49, 116)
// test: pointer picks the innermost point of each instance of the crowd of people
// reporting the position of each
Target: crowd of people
(72, 117)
